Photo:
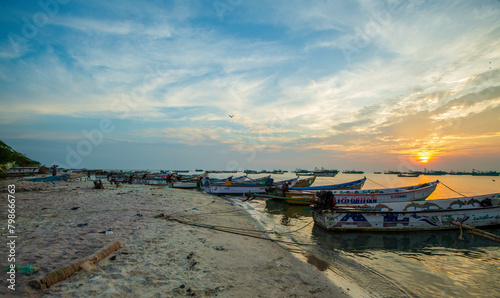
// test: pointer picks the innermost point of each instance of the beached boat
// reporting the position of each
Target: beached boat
(47, 178)
(235, 188)
(356, 184)
(306, 182)
(185, 184)
(475, 211)
(151, 181)
(22, 170)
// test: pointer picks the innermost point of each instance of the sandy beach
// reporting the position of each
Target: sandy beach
(60, 222)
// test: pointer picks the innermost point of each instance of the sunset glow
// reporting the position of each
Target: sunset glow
(424, 157)
(252, 85)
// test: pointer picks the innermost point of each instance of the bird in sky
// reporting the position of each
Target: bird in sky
(231, 116)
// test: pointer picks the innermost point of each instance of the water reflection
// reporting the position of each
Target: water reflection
(413, 264)
(417, 241)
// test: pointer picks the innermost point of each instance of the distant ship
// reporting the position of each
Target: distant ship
(435, 172)
(481, 173)
(460, 173)
(392, 172)
(325, 173)
(352, 172)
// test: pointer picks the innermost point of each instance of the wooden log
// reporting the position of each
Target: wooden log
(64, 272)
(478, 232)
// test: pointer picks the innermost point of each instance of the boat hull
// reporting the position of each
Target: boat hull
(184, 184)
(412, 216)
(48, 178)
(364, 197)
(235, 189)
(357, 184)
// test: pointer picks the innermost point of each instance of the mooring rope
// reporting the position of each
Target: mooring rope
(452, 189)
(376, 183)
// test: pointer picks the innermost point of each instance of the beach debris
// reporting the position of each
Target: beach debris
(219, 248)
(95, 278)
(44, 208)
(109, 232)
(160, 216)
(82, 225)
(138, 214)
(26, 270)
(112, 258)
(65, 272)
(75, 208)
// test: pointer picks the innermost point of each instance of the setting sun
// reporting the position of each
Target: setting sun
(424, 157)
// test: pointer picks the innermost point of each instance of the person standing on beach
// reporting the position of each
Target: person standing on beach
(54, 170)
(284, 188)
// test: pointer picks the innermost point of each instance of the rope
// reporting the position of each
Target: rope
(452, 189)
(234, 232)
(376, 183)
(461, 237)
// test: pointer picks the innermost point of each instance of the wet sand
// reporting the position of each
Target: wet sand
(60, 222)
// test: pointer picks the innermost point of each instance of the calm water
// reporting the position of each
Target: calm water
(416, 264)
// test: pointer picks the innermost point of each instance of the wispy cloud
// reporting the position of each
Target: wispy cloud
(418, 75)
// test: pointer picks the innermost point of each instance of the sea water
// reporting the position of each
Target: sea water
(410, 264)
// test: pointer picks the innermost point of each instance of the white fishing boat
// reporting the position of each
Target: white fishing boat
(475, 211)
(235, 189)
(365, 196)
(185, 184)
(385, 195)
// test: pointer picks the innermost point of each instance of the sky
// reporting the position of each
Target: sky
(239, 84)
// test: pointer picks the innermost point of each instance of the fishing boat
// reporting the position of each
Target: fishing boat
(22, 170)
(298, 197)
(185, 184)
(477, 211)
(352, 172)
(356, 184)
(381, 195)
(47, 178)
(434, 173)
(486, 173)
(325, 173)
(408, 175)
(306, 182)
(235, 188)
(240, 180)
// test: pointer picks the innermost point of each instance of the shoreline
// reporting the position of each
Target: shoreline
(60, 222)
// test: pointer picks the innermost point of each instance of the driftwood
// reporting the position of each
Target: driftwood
(64, 272)
(477, 232)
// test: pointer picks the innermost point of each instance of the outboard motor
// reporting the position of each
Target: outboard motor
(325, 200)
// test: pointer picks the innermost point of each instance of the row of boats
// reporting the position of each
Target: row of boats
(346, 206)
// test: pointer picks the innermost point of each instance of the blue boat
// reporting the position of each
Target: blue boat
(47, 178)
(357, 184)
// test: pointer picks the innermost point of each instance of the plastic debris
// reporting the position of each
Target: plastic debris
(26, 270)
(95, 278)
